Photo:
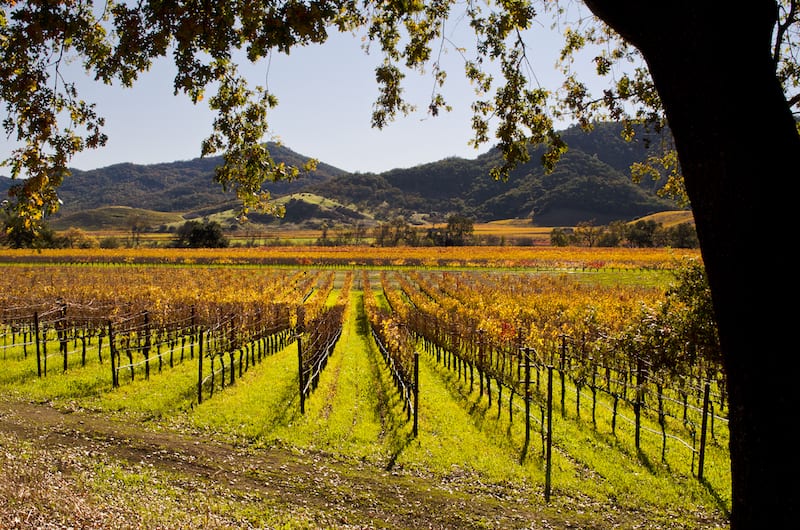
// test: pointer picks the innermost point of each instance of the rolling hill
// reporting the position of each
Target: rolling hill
(590, 184)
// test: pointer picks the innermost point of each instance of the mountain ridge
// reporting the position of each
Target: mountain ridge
(590, 184)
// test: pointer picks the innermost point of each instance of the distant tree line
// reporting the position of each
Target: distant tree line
(619, 233)
(16, 233)
(459, 231)
(399, 232)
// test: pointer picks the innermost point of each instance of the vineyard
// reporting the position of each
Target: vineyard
(548, 380)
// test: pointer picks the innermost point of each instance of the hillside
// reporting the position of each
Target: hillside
(116, 217)
(590, 184)
(180, 186)
(670, 218)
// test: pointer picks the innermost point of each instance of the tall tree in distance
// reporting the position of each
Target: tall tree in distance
(721, 77)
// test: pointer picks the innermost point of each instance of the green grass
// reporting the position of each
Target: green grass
(20, 372)
(345, 413)
(587, 463)
(356, 415)
(88, 383)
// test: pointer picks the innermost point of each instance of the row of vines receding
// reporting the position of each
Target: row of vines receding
(648, 357)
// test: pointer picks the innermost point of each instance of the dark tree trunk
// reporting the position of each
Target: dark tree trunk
(739, 151)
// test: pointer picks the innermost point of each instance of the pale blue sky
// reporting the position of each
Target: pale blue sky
(325, 98)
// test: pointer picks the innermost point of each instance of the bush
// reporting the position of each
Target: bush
(110, 242)
(208, 234)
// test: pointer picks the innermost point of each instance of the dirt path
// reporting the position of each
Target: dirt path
(74, 469)
(337, 493)
(328, 493)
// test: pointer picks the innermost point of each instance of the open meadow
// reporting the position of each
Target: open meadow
(352, 387)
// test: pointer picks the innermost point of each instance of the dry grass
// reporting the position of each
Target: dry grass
(44, 490)
(670, 219)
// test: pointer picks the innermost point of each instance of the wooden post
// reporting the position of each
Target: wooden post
(416, 392)
(114, 380)
(637, 404)
(193, 330)
(614, 415)
(499, 396)
(83, 347)
(562, 372)
(594, 393)
(61, 332)
(44, 350)
(200, 370)
(129, 353)
(213, 382)
(702, 456)
(36, 338)
(158, 354)
(549, 447)
(301, 377)
(527, 397)
(146, 348)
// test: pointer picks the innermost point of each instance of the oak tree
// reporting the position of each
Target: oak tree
(720, 77)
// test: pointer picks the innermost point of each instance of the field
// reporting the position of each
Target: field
(520, 232)
(114, 223)
(163, 391)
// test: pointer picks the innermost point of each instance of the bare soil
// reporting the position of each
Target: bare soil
(51, 459)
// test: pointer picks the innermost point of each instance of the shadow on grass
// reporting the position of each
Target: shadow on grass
(266, 403)
(395, 426)
(718, 500)
(398, 444)
(721, 503)
(20, 371)
(291, 409)
(645, 461)
(523, 455)
(287, 409)
(487, 416)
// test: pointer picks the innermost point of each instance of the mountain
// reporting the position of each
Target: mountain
(167, 187)
(591, 183)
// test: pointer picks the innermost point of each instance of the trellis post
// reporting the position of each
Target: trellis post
(200, 369)
(416, 392)
(36, 338)
(703, 427)
(549, 446)
(301, 376)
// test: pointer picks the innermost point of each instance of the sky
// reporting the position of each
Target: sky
(325, 97)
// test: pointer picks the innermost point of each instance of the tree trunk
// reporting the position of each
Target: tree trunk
(738, 148)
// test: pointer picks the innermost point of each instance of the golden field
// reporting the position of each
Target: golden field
(542, 257)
